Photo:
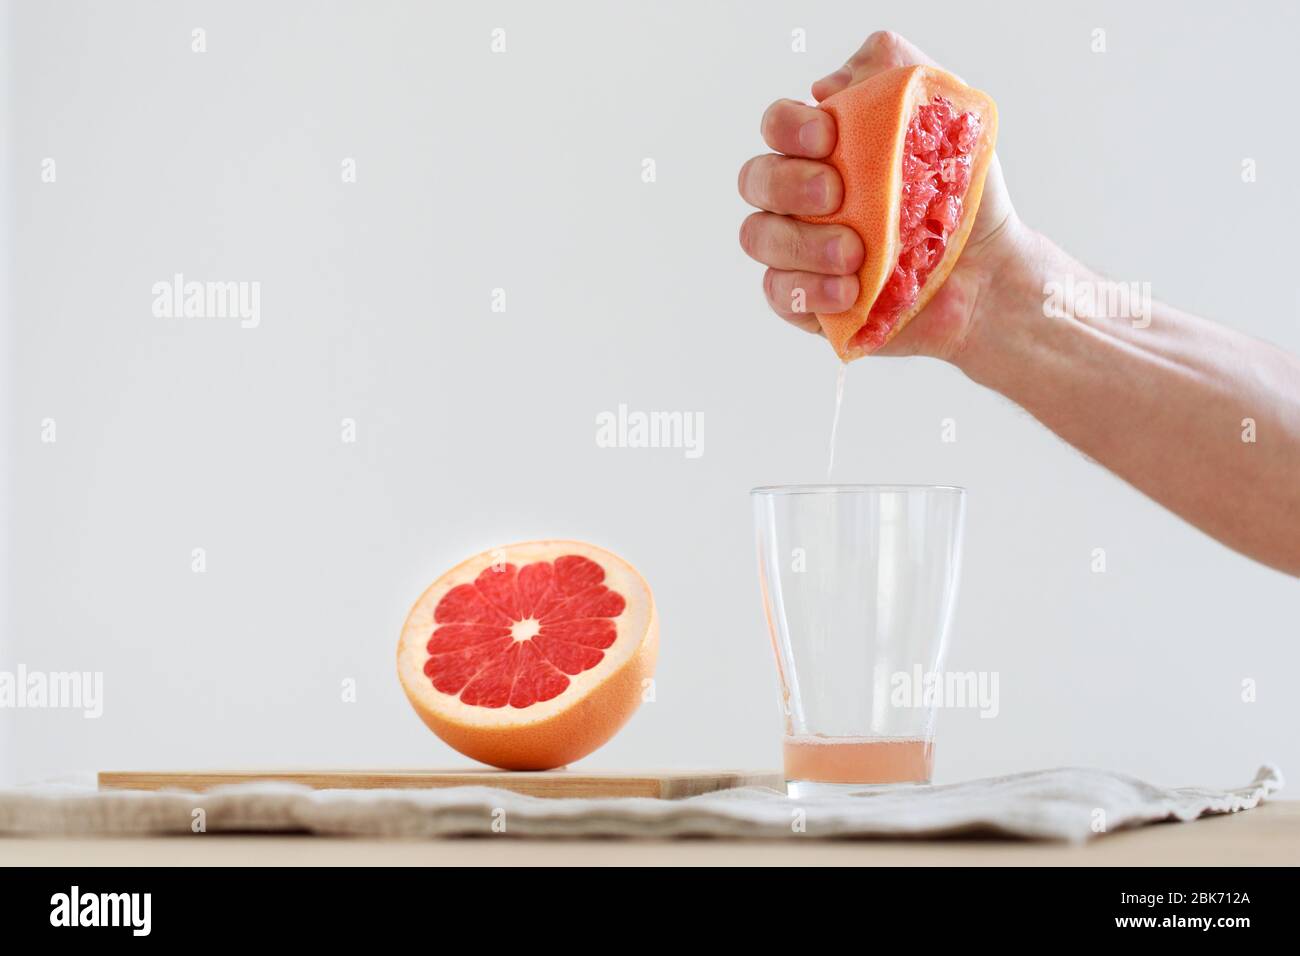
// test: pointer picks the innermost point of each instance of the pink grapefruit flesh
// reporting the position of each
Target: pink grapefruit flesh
(936, 175)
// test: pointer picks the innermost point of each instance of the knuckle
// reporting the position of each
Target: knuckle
(742, 180)
(766, 125)
(796, 244)
(882, 43)
(747, 234)
(760, 182)
(756, 179)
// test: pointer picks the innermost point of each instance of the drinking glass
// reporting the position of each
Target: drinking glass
(858, 585)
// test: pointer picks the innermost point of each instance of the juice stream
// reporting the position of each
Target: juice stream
(835, 421)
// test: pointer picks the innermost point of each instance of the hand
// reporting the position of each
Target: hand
(823, 260)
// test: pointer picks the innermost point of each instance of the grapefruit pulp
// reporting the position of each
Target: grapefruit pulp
(531, 656)
(914, 146)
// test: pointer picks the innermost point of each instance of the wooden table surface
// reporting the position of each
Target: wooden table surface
(1269, 835)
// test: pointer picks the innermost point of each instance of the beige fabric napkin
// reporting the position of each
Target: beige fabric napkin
(1066, 804)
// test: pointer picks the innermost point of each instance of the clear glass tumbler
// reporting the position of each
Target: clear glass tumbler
(859, 583)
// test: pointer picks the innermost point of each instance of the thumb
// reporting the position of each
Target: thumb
(883, 50)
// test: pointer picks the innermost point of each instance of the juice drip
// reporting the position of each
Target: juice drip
(835, 421)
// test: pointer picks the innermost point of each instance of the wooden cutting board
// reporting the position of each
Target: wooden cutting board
(665, 785)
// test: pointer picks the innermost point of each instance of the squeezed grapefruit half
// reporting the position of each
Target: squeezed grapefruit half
(914, 146)
(530, 656)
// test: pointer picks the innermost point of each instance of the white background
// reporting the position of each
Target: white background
(523, 171)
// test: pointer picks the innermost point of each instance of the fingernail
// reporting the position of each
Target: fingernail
(834, 289)
(810, 136)
(834, 258)
(817, 192)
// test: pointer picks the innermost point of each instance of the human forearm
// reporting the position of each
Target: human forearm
(1171, 406)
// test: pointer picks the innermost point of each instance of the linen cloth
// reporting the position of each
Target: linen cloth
(1067, 804)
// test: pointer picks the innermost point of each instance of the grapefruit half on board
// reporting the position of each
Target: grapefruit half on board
(530, 656)
(913, 149)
